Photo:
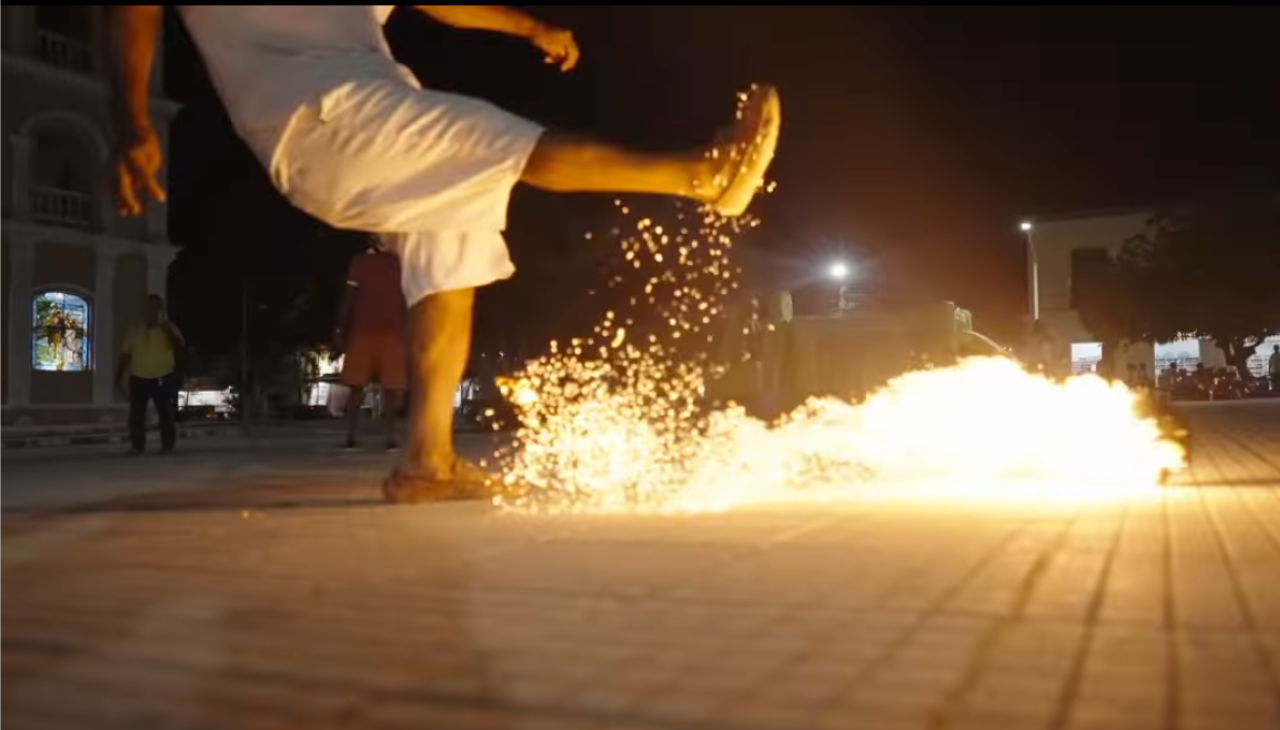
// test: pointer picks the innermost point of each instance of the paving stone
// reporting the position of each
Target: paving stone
(261, 600)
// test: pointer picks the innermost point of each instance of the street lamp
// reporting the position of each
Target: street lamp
(839, 272)
(1033, 268)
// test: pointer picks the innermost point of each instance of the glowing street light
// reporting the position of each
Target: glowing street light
(839, 272)
(1033, 266)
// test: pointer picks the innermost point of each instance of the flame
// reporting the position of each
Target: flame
(982, 429)
(615, 421)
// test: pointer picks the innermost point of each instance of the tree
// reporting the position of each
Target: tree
(1210, 270)
(1109, 301)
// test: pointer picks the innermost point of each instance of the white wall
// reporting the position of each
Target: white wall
(1053, 242)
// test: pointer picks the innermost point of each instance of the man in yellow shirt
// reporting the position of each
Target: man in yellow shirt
(149, 359)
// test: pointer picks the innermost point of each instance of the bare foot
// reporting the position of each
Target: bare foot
(733, 169)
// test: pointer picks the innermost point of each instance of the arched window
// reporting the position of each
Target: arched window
(61, 332)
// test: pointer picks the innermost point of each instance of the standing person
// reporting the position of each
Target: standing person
(1042, 348)
(1273, 369)
(370, 334)
(148, 361)
(349, 136)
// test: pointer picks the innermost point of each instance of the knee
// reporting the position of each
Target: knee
(550, 166)
(455, 298)
(445, 306)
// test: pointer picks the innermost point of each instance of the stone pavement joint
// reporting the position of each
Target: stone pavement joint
(113, 436)
(281, 594)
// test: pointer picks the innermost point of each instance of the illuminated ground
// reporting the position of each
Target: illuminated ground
(246, 594)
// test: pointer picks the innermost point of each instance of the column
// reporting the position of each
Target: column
(21, 272)
(157, 219)
(21, 156)
(12, 38)
(157, 68)
(158, 271)
(104, 320)
(157, 215)
(20, 29)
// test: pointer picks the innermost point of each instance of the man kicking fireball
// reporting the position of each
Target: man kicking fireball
(349, 136)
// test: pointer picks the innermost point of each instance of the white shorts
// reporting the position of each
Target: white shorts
(438, 261)
(430, 171)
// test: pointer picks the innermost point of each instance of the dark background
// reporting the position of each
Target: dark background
(914, 139)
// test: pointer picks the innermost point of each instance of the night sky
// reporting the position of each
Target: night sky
(913, 140)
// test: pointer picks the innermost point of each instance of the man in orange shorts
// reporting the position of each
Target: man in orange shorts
(371, 333)
(348, 135)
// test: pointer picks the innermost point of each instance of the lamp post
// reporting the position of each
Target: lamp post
(1033, 268)
(838, 271)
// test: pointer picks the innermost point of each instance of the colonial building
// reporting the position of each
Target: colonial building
(75, 273)
(1060, 250)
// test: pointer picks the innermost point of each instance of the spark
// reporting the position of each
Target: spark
(625, 427)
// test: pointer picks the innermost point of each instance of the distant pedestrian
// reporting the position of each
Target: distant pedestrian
(1273, 369)
(1042, 349)
(149, 360)
(371, 334)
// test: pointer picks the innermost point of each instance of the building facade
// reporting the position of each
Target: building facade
(1060, 250)
(75, 273)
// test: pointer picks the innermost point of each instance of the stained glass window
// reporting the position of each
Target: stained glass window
(60, 333)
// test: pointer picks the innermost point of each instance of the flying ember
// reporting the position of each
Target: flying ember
(616, 421)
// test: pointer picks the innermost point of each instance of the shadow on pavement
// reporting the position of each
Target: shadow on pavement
(284, 623)
(1189, 481)
(251, 498)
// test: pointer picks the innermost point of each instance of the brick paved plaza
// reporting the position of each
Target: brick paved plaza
(271, 591)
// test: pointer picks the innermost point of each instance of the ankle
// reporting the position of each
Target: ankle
(708, 180)
(429, 466)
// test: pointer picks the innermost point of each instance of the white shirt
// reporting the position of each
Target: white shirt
(268, 61)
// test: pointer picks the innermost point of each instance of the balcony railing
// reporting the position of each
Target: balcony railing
(66, 208)
(64, 53)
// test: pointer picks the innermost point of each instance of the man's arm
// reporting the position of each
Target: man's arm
(132, 34)
(346, 304)
(558, 45)
(125, 360)
(173, 334)
(496, 18)
(122, 369)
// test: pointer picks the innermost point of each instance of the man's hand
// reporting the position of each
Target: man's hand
(558, 45)
(137, 167)
(171, 332)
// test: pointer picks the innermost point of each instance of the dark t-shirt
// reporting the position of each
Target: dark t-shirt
(379, 304)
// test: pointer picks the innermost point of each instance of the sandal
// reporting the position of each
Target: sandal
(752, 143)
(467, 481)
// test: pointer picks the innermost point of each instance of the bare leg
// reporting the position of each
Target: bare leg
(354, 401)
(440, 342)
(726, 173)
(390, 409)
(567, 164)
